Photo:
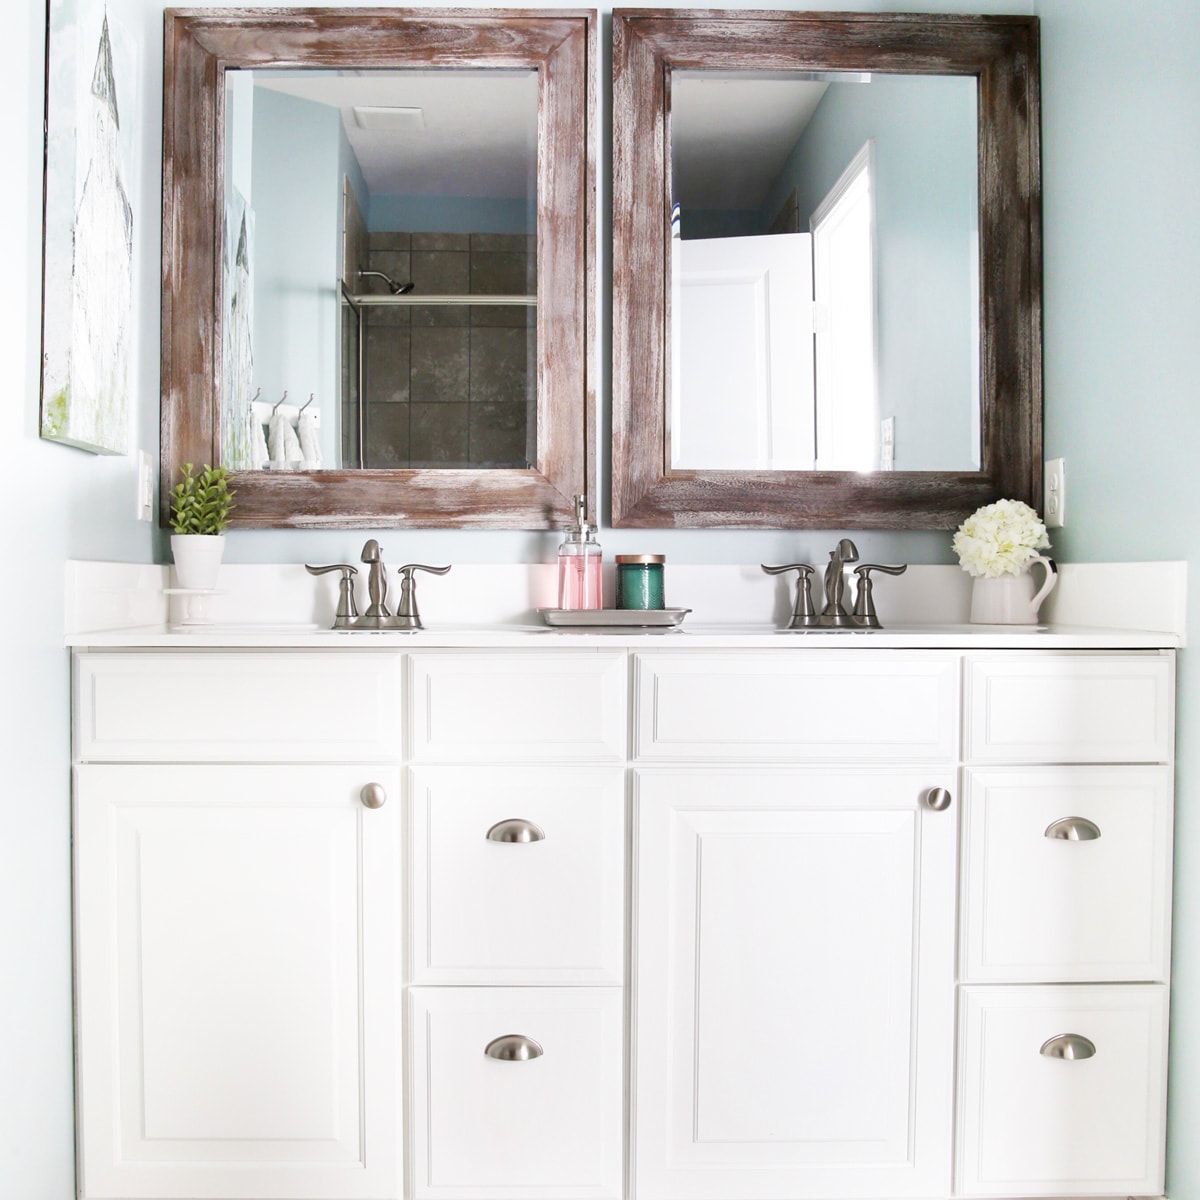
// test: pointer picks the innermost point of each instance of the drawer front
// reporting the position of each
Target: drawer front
(1031, 1124)
(196, 706)
(811, 707)
(1090, 906)
(491, 907)
(527, 706)
(1070, 708)
(483, 1127)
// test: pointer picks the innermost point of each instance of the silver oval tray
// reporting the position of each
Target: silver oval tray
(614, 618)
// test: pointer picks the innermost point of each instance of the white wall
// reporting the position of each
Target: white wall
(1122, 173)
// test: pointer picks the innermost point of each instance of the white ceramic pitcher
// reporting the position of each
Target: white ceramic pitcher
(1010, 599)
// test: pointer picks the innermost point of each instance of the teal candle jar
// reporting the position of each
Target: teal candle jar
(640, 580)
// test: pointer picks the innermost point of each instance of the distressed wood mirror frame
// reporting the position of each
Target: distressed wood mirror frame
(200, 45)
(1002, 54)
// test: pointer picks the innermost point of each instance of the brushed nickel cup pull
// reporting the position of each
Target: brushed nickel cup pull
(513, 1047)
(516, 829)
(1073, 829)
(1068, 1045)
(937, 799)
(373, 795)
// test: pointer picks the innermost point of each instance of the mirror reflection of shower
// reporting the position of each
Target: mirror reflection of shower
(390, 269)
(397, 289)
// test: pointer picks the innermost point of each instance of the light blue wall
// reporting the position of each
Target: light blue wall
(926, 229)
(450, 214)
(348, 165)
(297, 215)
(1121, 184)
(1121, 167)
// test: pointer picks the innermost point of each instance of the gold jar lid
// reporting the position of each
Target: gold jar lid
(641, 558)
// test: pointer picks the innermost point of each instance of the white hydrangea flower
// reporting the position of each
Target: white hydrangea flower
(999, 539)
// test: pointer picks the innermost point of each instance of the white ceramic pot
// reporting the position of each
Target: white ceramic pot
(1010, 599)
(197, 559)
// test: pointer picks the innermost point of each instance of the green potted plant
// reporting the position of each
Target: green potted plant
(200, 506)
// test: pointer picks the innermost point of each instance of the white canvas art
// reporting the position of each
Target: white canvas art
(237, 418)
(87, 323)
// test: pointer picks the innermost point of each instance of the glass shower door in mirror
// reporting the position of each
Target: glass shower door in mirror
(381, 269)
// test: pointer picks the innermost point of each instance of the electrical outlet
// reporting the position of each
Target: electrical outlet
(887, 444)
(1056, 493)
(145, 487)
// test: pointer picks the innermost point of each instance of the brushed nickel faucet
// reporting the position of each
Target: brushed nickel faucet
(834, 614)
(378, 615)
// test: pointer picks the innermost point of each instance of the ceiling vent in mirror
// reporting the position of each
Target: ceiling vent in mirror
(389, 120)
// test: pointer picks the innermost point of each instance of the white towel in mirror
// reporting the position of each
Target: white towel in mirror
(310, 444)
(284, 445)
(259, 454)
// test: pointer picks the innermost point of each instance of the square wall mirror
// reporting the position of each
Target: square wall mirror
(826, 268)
(378, 266)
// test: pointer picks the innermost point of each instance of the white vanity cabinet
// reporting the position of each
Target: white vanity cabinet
(517, 900)
(675, 918)
(237, 927)
(1066, 898)
(794, 925)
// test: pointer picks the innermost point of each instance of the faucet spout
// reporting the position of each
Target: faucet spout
(377, 585)
(834, 614)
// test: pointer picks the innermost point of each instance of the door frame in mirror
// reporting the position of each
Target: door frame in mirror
(199, 46)
(1002, 53)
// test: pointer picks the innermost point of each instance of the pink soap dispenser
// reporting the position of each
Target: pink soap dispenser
(579, 561)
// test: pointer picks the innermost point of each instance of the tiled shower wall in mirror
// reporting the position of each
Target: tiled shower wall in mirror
(450, 385)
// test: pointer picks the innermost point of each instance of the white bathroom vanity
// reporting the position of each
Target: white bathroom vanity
(721, 914)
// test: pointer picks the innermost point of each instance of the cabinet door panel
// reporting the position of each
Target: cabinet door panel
(238, 706)
(236, 931)
(517, 706)
(1070, 708)
(487, 1129)
(815, 706)
(1042, 909)
(546, 911)
(1035, 1125)
(794, 952)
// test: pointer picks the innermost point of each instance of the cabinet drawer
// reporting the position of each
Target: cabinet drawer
(1070, 708)
(518, 706)
(818, 706)
(488, 909)
(196, 706)
(483, 1127)
(1046, 908)
(1031, 1124)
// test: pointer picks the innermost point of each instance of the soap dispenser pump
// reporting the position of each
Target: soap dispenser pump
(579, 560)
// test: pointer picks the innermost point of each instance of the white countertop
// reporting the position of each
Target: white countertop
(908, 637)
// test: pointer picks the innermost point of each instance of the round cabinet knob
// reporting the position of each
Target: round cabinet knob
(937, 799)
(513, 1047)
(373, 795)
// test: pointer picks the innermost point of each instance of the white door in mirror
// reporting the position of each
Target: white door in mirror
(742, 360)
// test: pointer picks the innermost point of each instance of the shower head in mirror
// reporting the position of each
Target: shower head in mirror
(397, 289)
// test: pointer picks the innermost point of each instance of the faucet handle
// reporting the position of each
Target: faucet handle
(864, 602)
(347, 610)
(804, 615)
(407, 616)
